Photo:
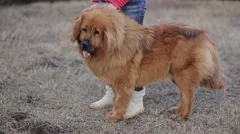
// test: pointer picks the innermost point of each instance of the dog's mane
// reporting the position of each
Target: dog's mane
(127, 35)
(123, 37)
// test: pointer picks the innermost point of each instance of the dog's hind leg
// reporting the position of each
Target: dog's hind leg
(186, 80)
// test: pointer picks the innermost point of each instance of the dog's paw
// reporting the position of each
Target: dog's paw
(178, 117)
(174, 110)
(110, 113)
(110, 118)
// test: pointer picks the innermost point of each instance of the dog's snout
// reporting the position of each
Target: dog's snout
(87, 46)
(85, 43)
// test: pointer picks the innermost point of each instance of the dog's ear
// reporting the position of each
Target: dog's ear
(76, 28)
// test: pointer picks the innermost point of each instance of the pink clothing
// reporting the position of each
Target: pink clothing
(118, 3)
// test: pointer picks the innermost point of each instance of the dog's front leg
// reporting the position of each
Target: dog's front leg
(124, 93)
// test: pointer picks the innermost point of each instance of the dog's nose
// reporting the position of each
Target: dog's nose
(85, 43)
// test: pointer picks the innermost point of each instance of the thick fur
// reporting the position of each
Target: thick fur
(131, 55)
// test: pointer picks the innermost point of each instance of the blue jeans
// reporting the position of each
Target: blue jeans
(134, 9)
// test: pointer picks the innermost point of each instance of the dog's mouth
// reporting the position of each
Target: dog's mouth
(86, 54)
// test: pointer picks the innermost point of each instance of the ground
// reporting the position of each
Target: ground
(46, 89)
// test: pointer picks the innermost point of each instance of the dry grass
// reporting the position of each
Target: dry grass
(45, 88)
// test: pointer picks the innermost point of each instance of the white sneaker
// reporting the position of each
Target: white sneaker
(135, 105)
(106, 101)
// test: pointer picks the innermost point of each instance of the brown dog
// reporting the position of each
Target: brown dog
(125, 55)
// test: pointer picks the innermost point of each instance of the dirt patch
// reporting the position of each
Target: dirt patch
(36, 127)
(22, 122)
(18, 116)
(45, 61)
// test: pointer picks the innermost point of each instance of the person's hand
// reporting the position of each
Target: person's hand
(94, 5)
(108, 5)
(111, 6)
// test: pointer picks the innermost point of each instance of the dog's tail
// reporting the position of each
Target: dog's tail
(216, 82)
(211, 77)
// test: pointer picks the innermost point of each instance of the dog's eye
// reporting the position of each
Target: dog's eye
(96, 33)
(84, 29)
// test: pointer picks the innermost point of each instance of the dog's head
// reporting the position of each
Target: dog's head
(98, 31)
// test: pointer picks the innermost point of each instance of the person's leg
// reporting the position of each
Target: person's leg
(136, 10)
